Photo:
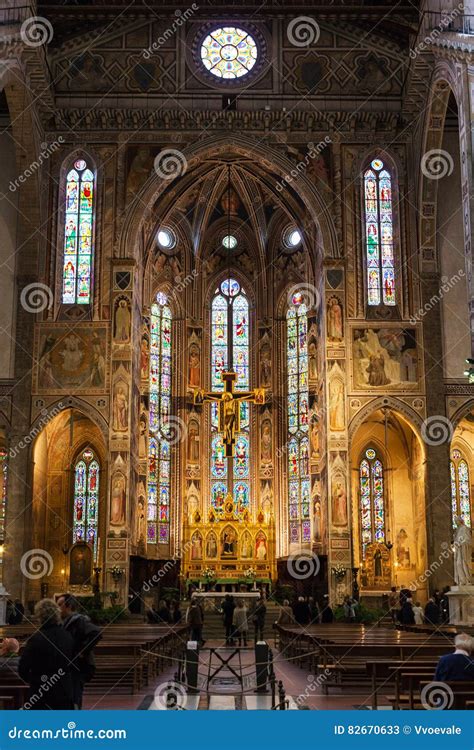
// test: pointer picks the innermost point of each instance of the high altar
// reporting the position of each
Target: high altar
(220, 549)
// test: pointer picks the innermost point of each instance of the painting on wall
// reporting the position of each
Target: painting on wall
(385, 357)
(71, 358)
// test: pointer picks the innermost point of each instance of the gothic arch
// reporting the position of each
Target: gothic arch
(270, 164)
(410, 416)
(77, 404)
(462, 412)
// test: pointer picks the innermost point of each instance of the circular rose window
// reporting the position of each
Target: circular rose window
(229, 52)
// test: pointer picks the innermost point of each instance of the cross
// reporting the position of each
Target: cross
(229, 410)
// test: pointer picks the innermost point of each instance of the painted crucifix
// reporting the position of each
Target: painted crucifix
(229, 407)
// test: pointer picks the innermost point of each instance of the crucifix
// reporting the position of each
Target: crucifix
(229, 407)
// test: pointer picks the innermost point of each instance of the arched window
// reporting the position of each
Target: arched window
(159, 446)
(78, 234)
(298, 442)
(85, 527)
(230, 350)
(460, 488)
(372, 507)
(379, 234)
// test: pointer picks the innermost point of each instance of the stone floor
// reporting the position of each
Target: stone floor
(225, 692)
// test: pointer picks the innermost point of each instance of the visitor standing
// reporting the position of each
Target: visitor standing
(393, 602)
(85, 636)
(432, 612)
(418, 612)
(46, 661)
(286, 616)
(194, 621)
(259, 613)
(301, 612)
(228, 606)
(241, 624)
(406, 615)
(327, 615)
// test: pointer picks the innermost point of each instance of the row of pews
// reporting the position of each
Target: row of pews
(128, 658)
(379, 661)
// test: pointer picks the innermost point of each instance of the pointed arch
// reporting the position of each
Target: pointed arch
(85, 522)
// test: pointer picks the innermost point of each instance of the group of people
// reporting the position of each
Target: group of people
(168, 613)
(57, 660)
(305, 610)
(236, 618)
(407, 612)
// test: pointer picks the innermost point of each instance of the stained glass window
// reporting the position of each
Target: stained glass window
(3, 491)
(85, 527)
(298, 413)
(229, 52)
(379, 234)
(460, 488)
(230, 347)
(159, 445)
(372, 506)
(78, 234)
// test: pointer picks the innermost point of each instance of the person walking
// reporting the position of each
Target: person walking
(241, 624)
(259, 613)
(47, 660)
(85, 636)
(194, 621)
(228, 607)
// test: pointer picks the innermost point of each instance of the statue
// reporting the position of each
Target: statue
(462, 553)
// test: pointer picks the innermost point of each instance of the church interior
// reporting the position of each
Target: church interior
(236, 328)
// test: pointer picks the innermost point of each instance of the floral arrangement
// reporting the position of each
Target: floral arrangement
(250, 573)
(209, 573)
(339, 571)
(116, 572)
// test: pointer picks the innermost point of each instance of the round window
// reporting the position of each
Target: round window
(229, 52)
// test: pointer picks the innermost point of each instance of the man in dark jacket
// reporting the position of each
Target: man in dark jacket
(460, 665)
(46, 660)
(431, 612)
(85, 636)
(195, 621)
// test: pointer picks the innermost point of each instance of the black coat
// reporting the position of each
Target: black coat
(406, 615)
(301, 613)
(48, 652)
(228, 607)
(454, 667)
(432, 613)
